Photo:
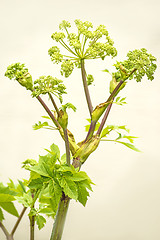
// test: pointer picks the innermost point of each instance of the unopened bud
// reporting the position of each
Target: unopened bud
(87, 148)
(63, 119)
(26, 81)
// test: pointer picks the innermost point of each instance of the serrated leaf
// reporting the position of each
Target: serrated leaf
(54, 148)
(36, 183)
(40, 220)
(63, 159)
(6, 198)
(69, 188)
(82, 194)
(49, 160)
(48, 211)
(22, 186)
(131, 146)
(6, 190)
(40, 125)
(1, 215)
(87, 184)
(42, 169)
(55, 192)
(79, 176)
(28, 162)
(10, 208)
(26, 200)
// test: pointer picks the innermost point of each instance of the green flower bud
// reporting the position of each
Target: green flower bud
(87, 148)
(26, 81)
(63, 119)
(113, 84)
(98, 111)
(18, 72)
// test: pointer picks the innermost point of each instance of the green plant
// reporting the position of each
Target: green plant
(54, 179)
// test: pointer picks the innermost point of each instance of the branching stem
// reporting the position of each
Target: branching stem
(104, 119)
(54, 103)
(8, 236)
(49, 112)
(18, 221)
(85, 85)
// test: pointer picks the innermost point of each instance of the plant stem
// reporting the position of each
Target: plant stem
(32, 223)
(91, 130)
(54, 104)
(32, 218)
(85, 85)
(8, 236)
(67, 146)
(18, 221)
(49, 112)
(104, 119)
(58, 225)
(113, 94)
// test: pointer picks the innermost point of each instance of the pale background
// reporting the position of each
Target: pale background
(125, 204)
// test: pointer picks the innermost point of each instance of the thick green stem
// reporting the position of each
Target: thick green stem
(58, 225)
(32, 224)
(85, 85)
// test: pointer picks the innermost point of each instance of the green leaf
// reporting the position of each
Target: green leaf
(10, 208)
(104, 132)
(79, 176)
(40, 125)
(82, 193)
(6, 190)
(42, 169)
(1, 215)
(49, 160)
(22, 186)
(63, 159)
(36, 183)
(69, 188)
(40, 220)
(47, 211)
(26, 200)
(55, 192)
(55, 149)
(106, 70)
(6, 198)
(131, 146)
(130, 138)
(29, 162)
(46, 117)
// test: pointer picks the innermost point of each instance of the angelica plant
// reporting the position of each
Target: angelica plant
(57, 178)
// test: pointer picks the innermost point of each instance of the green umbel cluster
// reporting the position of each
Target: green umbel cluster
(85, 44)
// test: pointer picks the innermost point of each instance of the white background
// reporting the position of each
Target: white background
(125, 204)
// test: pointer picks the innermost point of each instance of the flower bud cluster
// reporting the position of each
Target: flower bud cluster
(20, 73)
(138, 64)
(49, 84)
(55, 55)
(67, 67)
(86, 44)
